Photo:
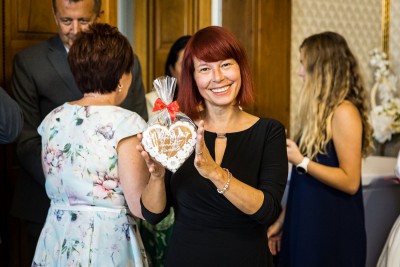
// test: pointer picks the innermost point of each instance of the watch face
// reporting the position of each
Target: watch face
(300, 170)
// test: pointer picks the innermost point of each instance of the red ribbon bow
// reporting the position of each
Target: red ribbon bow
(172, 108)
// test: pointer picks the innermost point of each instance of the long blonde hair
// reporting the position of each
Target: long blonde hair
(332, 76)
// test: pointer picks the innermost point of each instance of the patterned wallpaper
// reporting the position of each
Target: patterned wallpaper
(359, 21)
(394, 38)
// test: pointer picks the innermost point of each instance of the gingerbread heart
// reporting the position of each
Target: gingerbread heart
(172, 145)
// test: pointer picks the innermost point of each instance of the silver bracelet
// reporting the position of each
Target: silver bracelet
(221, 191)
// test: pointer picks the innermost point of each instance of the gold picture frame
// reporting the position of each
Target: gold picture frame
(385, 26)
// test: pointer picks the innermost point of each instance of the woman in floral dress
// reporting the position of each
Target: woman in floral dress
(94, 175)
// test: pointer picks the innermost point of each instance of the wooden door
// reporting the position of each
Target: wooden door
(263, 26)
(3, 211)
(158, 23)
(26, 22)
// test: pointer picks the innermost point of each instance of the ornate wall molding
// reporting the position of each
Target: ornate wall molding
(394, 37)
(385, 26)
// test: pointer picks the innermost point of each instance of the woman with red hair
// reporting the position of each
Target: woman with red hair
(229, 191)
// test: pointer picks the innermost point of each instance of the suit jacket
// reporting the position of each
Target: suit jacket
(11, 119)
(42, 81)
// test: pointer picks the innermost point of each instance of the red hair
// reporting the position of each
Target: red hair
(212, 44)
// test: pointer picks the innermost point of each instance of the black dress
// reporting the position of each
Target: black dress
(209, 230)
(323, 226)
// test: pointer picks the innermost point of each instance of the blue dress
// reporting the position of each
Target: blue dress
(323, 226)
(88, 222)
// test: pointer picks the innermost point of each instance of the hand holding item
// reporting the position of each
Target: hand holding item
(170, 136)
(155, 168)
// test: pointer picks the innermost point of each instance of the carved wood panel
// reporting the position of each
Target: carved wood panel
(263, 27)
(173, 18)
(158, 23)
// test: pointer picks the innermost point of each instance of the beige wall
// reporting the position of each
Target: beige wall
(359, 21)
(394, 37)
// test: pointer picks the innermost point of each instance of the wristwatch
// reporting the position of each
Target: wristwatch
(302, 166)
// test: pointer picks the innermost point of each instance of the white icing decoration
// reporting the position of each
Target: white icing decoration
(170, 146)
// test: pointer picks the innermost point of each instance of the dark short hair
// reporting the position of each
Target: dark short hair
(99, 57)
(97, 5)
(212, 44)
(176, 47)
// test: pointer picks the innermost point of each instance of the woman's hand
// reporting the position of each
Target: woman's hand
(274, 234)
(293, 152)
(203, 161)
(154, 196)
(155, 168)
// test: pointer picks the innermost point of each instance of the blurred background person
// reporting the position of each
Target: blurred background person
(229, 190)
(173, 68)
(11, 118)
(41, 81)
(94, 175)
(323, 223)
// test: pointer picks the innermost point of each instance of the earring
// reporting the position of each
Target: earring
(240, 107)
(120, 88)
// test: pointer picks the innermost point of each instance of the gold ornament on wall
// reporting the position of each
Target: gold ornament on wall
(385, 26)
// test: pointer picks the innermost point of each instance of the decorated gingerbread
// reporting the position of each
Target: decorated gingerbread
(170, 136)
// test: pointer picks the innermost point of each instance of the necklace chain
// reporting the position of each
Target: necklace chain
(95, 95)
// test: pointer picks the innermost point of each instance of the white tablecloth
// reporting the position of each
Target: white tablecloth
(375, 168)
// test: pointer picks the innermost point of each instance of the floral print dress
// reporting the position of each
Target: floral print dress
(88, 223)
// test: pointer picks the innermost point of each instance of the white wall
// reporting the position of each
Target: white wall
(125, 18)
(394, 35)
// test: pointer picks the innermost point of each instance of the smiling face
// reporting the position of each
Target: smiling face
(218, 82)
(73, 17)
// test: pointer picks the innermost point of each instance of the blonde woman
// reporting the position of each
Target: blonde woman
(323, 223)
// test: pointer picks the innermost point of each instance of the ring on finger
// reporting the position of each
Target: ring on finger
(199, 153)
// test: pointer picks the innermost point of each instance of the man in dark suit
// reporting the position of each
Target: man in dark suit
(42, 81)
(11, 118)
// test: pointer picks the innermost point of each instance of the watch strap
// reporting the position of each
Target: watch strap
(302, 166)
